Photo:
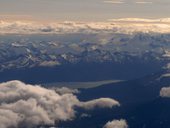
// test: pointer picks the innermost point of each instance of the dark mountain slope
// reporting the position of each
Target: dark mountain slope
(141, 104)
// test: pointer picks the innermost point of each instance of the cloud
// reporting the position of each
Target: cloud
(116, 124)
(64, 90)
(84, 115)
(99, 103)
(165, 92)
(140, 20)
(127, 2)
(114, 2)
(8, 119)
(27, 106)
(125, 25)
(144, 2)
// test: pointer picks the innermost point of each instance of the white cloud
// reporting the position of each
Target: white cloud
(64, 90)
(126, 25)
(144, 2)
(8, 119)
(116, 124)
(165, 92)
(127, 2)
(27, 106)
(99, 103)
(140, 20)
(114, 2)
(84, 115)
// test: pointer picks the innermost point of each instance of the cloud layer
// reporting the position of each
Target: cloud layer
(114, 2)
(27, 106)
(127, 25)
(116, 124)
(134, 1)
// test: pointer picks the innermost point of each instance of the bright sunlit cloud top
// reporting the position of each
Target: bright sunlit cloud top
(126, 25)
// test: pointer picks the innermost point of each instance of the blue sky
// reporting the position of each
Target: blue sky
(83, 10)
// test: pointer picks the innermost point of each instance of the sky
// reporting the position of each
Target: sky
(82, 10)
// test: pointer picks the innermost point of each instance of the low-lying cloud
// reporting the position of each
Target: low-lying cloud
(116, 124)
(165, 92)
(99, 103)
(27, 106)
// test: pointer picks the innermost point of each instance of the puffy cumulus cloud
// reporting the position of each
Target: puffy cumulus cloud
(34, 105)
(126, 25)
(116, 124)
(64, 90)
(27, 106)
(8, 118)
(165, 92)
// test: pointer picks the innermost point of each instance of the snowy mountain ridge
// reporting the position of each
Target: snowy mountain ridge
(39, 51)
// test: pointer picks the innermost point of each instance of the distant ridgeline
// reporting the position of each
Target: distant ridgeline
(43, 58)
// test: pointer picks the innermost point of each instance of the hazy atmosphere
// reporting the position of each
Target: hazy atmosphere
(82, 10)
